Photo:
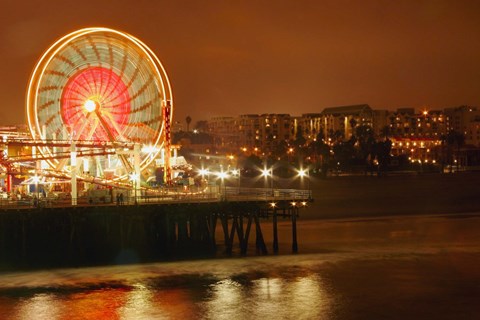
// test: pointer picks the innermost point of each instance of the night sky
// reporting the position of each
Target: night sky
(237, 57)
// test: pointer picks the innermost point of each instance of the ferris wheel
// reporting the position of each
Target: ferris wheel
(100, 85)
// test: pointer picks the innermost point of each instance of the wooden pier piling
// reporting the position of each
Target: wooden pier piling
(91, 235)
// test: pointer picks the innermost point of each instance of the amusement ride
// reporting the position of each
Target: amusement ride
(99, 110)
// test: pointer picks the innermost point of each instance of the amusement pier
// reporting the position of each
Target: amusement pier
(95, 179)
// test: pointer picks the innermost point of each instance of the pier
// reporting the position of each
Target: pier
(145, 228)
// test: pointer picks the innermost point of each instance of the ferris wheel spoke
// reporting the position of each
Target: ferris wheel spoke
(92, 82)
(95, 50)
(66, 60)
(45, 105)
(78, 51)
(55, 73)
(120, 76)
(137, 94)
(132, 80)
(84, 94)
(144, 107)
(150, 132)
(50, 119)
(111, 62)
(48, 88)
(103, 90)
(88, 87)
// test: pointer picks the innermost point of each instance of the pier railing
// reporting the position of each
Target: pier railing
(167, 195)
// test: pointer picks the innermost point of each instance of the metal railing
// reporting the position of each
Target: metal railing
(165, 195)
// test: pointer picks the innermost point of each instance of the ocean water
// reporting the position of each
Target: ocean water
(260, 288)
(392, 268)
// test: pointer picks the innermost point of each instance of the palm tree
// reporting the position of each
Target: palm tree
(188, 119)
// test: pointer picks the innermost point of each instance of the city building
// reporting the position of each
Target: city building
(250, 133)
(341, 121)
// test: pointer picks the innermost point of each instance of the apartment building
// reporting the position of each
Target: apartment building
(250, 133)
(417, 134)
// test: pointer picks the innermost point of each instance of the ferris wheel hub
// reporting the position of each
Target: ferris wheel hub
(90, 105)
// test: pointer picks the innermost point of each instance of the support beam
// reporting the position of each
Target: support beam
(294, 230)
(73, 172)
(275, 231)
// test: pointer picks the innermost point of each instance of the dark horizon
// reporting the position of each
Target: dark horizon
(272, 57)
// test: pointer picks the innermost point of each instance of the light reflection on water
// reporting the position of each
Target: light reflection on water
(259, 288)
(409, 268)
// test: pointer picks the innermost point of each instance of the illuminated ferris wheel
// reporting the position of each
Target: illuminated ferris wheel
(100, 85)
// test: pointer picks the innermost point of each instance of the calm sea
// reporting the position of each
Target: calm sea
(408, 268)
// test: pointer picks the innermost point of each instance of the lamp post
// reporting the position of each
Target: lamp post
(222, 175)
(305, 174)
(236, 173)
(36, 179)
(266, 173)
(203, 173)
(134, 178)
(271, 180)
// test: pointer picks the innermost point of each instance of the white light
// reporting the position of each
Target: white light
(203, 171)
(302, 173)
(265, 172)
(90, 105)
(149, 149)
(134, 177)
(73, 158)
(222, 175)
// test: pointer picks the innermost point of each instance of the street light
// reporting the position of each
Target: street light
(302, 173)
(266, 173)
(305, 173)
(203, 173)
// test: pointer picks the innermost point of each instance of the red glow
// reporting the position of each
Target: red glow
(106, 88)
